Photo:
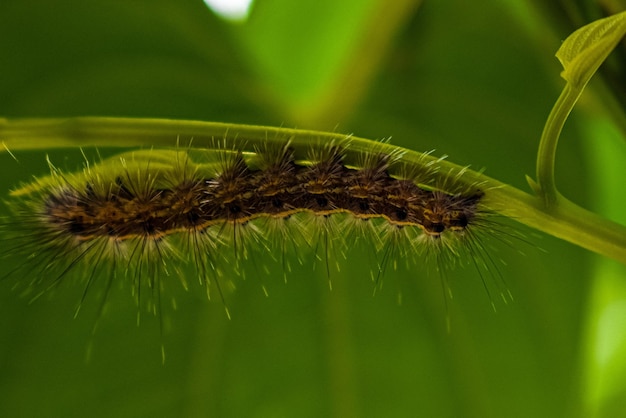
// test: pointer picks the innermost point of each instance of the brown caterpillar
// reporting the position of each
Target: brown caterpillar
(144, 215)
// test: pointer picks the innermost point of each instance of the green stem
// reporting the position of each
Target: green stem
(546, 156)
(565, 220)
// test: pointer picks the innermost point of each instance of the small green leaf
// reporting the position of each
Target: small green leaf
(533, 185)
(584, 50)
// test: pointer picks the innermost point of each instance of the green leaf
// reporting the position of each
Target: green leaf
(449, 80)
(584, 50)
(581, 54)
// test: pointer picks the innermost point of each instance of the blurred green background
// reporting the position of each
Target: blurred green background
(472, 80)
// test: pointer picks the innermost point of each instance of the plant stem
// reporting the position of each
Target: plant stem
(546, 155)
(565, 220)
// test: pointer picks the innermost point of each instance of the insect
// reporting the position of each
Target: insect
(146, 217)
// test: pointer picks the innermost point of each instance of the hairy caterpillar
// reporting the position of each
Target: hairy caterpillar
(143, 216)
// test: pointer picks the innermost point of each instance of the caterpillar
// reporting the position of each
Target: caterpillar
(146, 216)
